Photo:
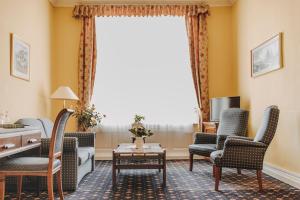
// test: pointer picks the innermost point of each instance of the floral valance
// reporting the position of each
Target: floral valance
(82, 11)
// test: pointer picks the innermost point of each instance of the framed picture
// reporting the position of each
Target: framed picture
(20, 58)
(267, 57)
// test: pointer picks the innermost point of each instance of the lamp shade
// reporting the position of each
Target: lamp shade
(64, 93)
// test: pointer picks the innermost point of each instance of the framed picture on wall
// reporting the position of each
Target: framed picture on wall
(267, 57)
(19, 58)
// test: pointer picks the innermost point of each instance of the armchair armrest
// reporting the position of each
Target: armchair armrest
(85, 139)
(205, 138)
(220, 141)
(70, 145)
(245, 143)
(239, 153)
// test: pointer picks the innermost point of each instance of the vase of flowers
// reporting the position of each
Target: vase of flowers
(139, 131)
(87, 117)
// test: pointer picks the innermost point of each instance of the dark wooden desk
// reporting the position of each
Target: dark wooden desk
(13, 141)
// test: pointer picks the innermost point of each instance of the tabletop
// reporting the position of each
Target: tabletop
(148, 148)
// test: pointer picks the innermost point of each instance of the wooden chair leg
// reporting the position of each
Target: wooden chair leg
(218, 177)
(220, 173)
(59, 184)
(20, 180)
(2, 187)
(239, 171)
(50, 187)
(191, 161)
(259, 179)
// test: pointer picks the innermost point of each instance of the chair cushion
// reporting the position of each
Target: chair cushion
(84, 154)
(31, 164)
(202, 149)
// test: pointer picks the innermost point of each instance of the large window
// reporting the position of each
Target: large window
(143, 68)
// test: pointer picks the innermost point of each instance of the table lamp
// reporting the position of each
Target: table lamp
(64, 93)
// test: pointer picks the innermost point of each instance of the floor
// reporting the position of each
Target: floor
(181, 184)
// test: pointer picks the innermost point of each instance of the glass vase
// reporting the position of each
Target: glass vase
(139, 142)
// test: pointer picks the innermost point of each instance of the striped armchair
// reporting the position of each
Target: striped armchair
(245, 153)
(234, 122)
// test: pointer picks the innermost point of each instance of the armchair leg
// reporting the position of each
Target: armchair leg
(191, 161)
(93, 163)
(19, 194)
(239, 171)
(217, 177)
(259, 179)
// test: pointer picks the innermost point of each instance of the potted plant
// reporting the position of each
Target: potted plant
(139, 131)
(87, 117)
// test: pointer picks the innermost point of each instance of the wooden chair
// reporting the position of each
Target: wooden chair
(38, 166)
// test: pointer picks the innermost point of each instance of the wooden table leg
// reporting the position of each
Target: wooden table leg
(119, 162)
(164, 169)
(159, 162)
(114, 170)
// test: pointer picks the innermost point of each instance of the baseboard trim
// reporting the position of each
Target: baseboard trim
(283, 175)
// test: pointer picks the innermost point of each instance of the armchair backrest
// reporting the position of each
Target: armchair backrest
(268, 126)
(234, 121)
(44, 124)
(57, 137)
(32, 122)
(48, 125)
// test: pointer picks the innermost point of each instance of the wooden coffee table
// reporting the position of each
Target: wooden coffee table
(151, 156)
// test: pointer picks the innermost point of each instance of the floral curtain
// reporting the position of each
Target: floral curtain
(198, 43)
(197, 33)
(81, 11)
(87, 60)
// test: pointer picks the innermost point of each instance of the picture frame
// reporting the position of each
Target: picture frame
(19, 58)
(267, 57)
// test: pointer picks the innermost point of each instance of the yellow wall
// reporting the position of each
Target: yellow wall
(222, 80)
(31, 20)
(65, 53)
(255, 21)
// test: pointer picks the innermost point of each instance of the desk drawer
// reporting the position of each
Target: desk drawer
(10, 143)
(31, 139)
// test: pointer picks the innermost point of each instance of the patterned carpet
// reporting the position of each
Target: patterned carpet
(181, 184)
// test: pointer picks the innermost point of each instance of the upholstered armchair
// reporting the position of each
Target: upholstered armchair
(233, 122)
(245, 153)
(78, 156)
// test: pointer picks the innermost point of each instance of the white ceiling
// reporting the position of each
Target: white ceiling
(70, 3)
